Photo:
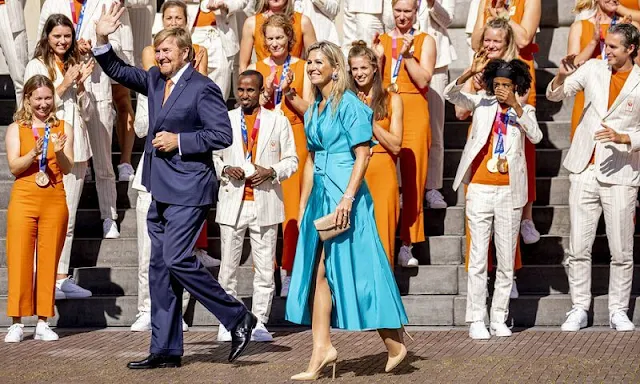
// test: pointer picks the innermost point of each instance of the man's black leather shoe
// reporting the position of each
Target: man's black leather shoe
(156, 361)
(241, 335)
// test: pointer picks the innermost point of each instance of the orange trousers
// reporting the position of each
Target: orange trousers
(382, 181)
(414, 155)
(291, 189)
(34, 214)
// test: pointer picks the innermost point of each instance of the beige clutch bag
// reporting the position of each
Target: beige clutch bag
(327, 228)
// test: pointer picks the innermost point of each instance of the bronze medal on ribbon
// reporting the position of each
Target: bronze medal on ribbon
(503, 166)
(393, 87)
(42, 179)
(492, 165)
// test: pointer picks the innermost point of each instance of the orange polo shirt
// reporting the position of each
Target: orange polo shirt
(250, 120)
(481, 174)
(615, 86)
(207, 19)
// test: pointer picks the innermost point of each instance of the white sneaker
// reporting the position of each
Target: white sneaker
(261, 334)
(529, 232)
(576, 320)
(285, 282)
(142, 323)
(69, 289)
(44, 333)
(223, 334)
(110, 229)
(206, 260)
(405, 258)
(15, 334)
(620, 322)
(125, 172)
(478, 331)
(514, 291)
(435, 200)
(185, 326)
(499, 329)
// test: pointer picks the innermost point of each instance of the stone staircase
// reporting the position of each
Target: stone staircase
(434, 293)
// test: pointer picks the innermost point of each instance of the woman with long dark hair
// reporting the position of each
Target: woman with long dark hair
(56, 57)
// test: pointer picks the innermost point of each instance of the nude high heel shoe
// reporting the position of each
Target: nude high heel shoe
(330, 358)
(393, 362)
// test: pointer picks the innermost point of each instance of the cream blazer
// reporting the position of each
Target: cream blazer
(15, 10)
(276, 149)
(484, 112)
(617, 164)
(435, 21)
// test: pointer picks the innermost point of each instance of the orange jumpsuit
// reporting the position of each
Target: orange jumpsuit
(291, 187)
(259, 42)
(586, 36)
(631, 4)
(416, 140)
(35, 214)
(382, 180)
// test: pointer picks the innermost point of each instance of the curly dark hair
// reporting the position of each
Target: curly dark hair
(519, 75)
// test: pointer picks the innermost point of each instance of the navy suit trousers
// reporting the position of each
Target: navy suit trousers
(173, 230)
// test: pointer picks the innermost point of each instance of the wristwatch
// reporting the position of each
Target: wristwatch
(273, 174)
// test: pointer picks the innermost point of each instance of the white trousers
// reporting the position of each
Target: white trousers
(141, 24)
(73, 185)
(360, 26)
(439, 81)
(14, 50)
(144, 255)
(100, 129)
(263, 252)
(490, 210)
(588, 198)
(220, 67)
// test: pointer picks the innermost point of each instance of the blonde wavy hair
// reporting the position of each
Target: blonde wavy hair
(336, 60)
(503, 25)
(584, 5)
(263, 6)
(24, 115)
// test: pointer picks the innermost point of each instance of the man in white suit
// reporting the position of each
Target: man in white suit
(494, 167)
(13, 42)
(213, 25)
(98, 86)
(322, 14)
(262, 155)
(434, 17)
(604, 166)
(364, 19)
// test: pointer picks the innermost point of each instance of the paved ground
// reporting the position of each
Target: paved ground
(436, 356)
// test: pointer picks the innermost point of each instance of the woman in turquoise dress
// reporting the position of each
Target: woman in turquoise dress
(348, 282)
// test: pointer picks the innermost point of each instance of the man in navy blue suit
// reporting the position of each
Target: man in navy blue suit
(188, 120)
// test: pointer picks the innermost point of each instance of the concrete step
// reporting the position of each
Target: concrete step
(529, 311)
(552, 280)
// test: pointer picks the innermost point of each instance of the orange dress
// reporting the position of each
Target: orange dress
(516, 10)
(382, 181)
(586, 36)
(416, 140)
(631, 4)
(259, 42)
(36, 220)
(292, 187)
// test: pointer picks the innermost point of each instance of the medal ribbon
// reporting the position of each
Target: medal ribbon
(80, 18)
(277, 100)
(614, 21)
(501, 123)
(396, 57)
(248, 144)
(45, 145)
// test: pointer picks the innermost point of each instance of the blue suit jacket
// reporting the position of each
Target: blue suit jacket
(195, 110)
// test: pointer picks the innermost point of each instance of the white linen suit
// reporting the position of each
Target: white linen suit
(71, 108)
(275, 149)
(435, 21)
(609, 185)
(13, 42)
(322, 14)
(221, 41)
(363, 19)
(491, 207)
(100, 123)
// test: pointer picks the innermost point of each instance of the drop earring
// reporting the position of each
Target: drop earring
(334, 76)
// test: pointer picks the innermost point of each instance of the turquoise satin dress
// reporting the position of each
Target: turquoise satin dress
(363, 289)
